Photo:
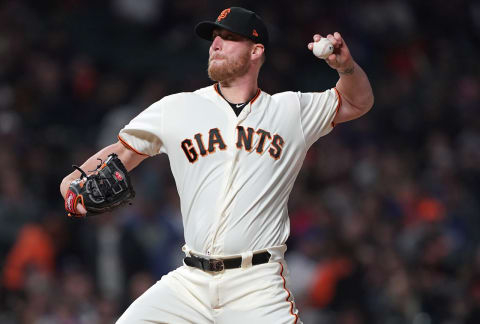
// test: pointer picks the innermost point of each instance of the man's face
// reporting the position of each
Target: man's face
(229, 55)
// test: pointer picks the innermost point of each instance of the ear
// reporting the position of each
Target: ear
(257, 51)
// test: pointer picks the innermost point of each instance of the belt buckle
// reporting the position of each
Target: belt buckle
(216, 265)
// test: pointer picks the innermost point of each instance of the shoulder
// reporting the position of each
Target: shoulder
(208, 92)
(177, 97)
(304, 98)
(285, 95)
(188, 97)
(175, 100)
(287, 98)
(205, 90)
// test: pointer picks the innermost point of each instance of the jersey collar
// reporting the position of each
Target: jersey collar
(255, 97)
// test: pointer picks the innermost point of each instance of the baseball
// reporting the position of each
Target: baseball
(323, 48)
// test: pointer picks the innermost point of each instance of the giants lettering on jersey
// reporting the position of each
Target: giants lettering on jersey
(245, 139)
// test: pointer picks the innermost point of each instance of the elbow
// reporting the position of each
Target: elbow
(366, 101)
(364, 105)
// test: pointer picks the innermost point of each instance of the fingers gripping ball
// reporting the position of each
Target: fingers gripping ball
(105, 189)
(323, 48)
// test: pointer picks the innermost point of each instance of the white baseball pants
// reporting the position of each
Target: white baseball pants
(251, 294)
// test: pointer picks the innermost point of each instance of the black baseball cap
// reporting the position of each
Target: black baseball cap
(239, 21)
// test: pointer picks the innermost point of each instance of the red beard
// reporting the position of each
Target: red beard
(225, 68)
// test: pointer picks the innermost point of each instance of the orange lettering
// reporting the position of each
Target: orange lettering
(223, 14)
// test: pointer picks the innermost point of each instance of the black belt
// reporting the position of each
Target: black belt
(217, 265)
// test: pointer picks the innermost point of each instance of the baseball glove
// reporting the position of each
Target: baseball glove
(108, 187)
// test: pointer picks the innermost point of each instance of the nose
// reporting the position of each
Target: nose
(216, 43)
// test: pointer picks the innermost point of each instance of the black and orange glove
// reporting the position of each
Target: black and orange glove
(108, 187)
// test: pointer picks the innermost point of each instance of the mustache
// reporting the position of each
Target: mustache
(216, 57)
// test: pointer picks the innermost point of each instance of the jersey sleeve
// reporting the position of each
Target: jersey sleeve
(317, 112)
(144, 132)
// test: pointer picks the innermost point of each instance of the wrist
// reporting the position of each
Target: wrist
(348, 68)
(65, 185)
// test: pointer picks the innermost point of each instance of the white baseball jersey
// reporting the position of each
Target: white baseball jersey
(233, 174)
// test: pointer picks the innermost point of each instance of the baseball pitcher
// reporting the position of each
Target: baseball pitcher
(235, 152)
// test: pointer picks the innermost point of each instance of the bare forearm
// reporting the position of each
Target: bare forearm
(355, 87)
(129, 158)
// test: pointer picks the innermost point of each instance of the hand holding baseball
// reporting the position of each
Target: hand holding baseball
(340, 58)
(323, 48)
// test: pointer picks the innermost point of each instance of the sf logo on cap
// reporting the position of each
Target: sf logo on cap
(223, 14)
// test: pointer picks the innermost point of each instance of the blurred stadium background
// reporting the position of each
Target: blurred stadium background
(384, 216)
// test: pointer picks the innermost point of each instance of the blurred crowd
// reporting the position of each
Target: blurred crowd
(385, 214)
